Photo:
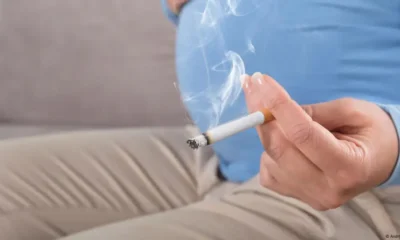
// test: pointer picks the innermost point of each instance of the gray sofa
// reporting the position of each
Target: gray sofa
(86, 64)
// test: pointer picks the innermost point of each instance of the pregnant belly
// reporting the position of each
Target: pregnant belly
(317, 50)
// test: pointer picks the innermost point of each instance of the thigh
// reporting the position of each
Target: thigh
(248, 212)
(52, 186)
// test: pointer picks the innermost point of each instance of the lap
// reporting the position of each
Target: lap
(253, 212)
(51, 186)
(148, 180)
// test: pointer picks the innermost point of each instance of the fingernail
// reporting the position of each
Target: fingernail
(257, 78)
(243, 80)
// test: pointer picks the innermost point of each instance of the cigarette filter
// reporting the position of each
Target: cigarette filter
(231, 128)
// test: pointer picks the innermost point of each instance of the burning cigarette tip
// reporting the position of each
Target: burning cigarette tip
(199, 141)
(193, 143)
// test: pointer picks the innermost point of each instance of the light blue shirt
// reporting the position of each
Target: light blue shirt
(318, 50)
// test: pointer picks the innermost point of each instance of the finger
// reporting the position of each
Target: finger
(288, 184)
(275, 143)
(280, 183)
(273, 140)
(270, 134)
(314, 141)
(268, 180)
(254, 103)
(297, 168)
(344, 112)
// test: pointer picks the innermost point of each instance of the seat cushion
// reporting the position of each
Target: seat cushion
(16, 131)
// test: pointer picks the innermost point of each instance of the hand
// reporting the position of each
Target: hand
(176, 5)
(323, 154)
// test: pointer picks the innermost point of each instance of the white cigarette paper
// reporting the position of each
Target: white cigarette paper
(229, 129)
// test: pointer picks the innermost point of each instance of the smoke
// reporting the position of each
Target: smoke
(230, 90)
(250, 46)
(214, 13)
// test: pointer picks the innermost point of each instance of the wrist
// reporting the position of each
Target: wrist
(393, 163)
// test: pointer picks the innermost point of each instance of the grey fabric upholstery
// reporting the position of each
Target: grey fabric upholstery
(15, 131)
(87, 63)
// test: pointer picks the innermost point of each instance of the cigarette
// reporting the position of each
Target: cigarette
(231, 128)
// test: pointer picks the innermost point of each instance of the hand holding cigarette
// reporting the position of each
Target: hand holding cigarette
(323, 154)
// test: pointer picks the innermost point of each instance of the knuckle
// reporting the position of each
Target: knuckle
(353, 107)
(268, 163)
(264, 158)
(309, 109)
(278, 100)
(351, 179)
(266, 180)
(318, 207)
(334, 201)
(358, 113)
(300, 133)
(263, 180)
(275, 151)
(286, 193)
(346, 101)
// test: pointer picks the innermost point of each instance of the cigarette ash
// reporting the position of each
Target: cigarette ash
(193, 143)
(199, 141)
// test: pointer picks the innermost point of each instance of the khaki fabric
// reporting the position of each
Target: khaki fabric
(146, 184)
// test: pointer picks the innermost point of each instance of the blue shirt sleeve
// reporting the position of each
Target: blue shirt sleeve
(167, 11)
(394, 112)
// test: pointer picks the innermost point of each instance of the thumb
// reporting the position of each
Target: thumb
(344, 112)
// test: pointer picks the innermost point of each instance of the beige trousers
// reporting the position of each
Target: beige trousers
(146, 184)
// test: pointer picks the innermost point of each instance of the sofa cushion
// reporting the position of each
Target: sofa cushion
(8, 131)
(87, 62)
